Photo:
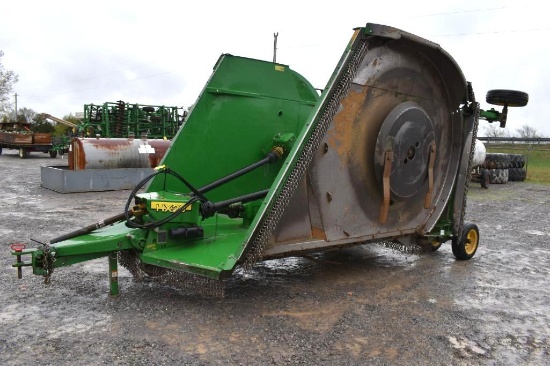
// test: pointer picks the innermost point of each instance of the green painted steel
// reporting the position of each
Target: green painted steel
(244, 106)
(247, 109)
(113, 274)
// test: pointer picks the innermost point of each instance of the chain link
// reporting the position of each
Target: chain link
(47, 266)
(476, 111)
(181, 280)
(270, 221)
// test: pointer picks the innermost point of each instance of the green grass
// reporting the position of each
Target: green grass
(537, 158)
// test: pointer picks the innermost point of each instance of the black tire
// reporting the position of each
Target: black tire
(498, 176)
(511, 98)
(148, 109)
(517, 174)
(485, 179)
(465, 246)
(497, 161)
(53, 154)
(518, 161)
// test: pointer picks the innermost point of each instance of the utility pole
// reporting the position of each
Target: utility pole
(275, 35)
(15, 119)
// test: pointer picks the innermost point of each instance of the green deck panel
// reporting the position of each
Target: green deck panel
(244, 105)
(210, 256)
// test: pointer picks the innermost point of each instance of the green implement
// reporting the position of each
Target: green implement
(265, 167)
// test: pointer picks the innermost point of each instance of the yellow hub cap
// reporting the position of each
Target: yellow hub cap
(471, 242)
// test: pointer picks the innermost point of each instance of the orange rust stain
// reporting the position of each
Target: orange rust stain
(77, 156)
(340, 137)
(317, 233)
(160, 150)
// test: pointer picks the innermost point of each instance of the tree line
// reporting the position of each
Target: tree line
(525, 131)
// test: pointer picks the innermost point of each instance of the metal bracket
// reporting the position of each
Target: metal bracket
(384, 208)
(431, 163)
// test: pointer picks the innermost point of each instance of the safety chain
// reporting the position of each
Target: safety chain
(270, 221)
(47, 266)
(404, 248)
(195, 283)
(177, 279)
(130, 260)
(476, 111)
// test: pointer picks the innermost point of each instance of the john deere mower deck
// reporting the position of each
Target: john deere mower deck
(264, 167)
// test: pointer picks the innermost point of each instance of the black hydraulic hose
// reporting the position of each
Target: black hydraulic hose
(242, 199)
(90, 228)
(271, 158)
(127, 213)
(209, 209)
(197, 194)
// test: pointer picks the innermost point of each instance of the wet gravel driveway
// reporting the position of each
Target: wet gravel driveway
(366, 305)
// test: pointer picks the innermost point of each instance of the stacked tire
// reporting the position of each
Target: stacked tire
(517, 171)
(505, 167)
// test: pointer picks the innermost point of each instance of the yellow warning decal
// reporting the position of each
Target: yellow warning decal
(279, 68)
(168, 206)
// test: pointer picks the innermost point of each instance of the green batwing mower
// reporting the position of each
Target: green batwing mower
(264, 167)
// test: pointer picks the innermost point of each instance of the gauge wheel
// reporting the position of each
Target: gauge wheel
(465, 246)
(511, 98)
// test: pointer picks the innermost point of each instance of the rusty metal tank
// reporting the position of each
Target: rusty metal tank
(112, 153)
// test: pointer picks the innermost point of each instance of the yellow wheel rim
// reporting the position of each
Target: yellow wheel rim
(435, 244)
(471, 242)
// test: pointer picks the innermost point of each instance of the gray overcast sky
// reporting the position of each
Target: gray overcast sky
(71, 53)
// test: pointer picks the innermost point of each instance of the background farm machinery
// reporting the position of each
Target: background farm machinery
(123, 120)
(114, 147)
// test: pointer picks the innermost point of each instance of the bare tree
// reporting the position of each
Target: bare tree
(494, 130)
(527, 131)
(25, 115)
(7, 79)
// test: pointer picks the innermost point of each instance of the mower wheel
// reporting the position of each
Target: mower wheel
(511, 98)
(53, 154)
(465, 246)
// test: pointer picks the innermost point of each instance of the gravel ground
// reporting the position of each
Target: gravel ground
(366, 305)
